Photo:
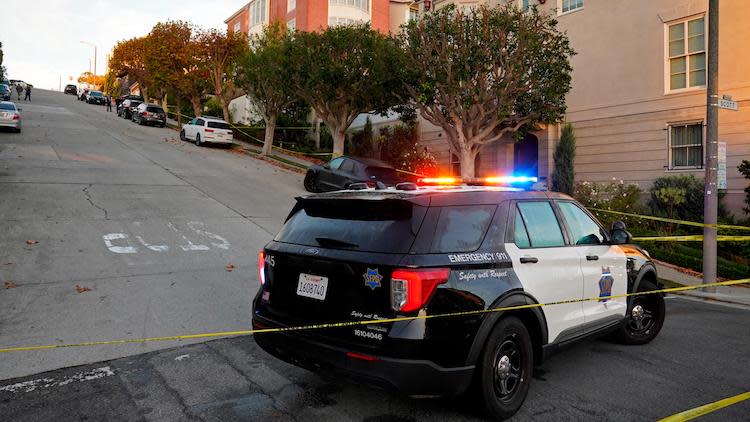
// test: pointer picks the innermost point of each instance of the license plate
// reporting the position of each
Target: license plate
(312, 286)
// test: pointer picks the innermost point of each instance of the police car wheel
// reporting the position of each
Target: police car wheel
(505, 368)
(645, 317)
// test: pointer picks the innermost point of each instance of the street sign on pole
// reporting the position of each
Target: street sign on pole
(721, 169)
(729, 104)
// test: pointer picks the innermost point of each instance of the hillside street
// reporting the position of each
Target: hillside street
(115, 231)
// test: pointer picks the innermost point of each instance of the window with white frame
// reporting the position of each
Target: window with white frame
(361, 4)
(258, 12)
(686, 145)
(524, 4)
(566, 6)
(291, 5)
(236, 27)
(336, 21)
(413, 13)
(686, 51)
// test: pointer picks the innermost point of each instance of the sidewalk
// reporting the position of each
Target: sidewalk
(736, 295)
(288, 159)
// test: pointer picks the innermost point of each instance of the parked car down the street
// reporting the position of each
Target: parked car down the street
(4, 92)
(83, 94)
(149, 114)
(71, 89)
(207, 130)
(96, 97)
(341, 172)
(10, 116)
(127, 107)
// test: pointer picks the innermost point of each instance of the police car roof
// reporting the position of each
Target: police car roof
(440, 195)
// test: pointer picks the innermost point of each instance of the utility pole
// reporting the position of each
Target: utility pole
(711, 198)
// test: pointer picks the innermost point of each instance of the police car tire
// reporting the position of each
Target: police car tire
(654, 304)
(510, 330)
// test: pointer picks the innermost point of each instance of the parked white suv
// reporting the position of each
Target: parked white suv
(207, 130)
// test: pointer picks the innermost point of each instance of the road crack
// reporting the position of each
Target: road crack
(88, 198)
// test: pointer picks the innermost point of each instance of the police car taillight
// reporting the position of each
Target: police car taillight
(262, 267)
(411, 289)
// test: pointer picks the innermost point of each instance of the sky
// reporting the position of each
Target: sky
(42, 38)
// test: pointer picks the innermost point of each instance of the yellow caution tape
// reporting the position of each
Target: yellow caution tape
(366, 322)
(706, 409)
(670, 220)
(693, 238)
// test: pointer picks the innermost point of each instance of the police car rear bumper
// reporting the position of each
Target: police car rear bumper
(410, 377)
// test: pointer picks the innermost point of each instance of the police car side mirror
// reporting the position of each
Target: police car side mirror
(619, 234)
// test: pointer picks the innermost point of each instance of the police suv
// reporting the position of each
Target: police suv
(425, 251)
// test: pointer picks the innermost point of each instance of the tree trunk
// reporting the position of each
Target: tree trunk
(316, 134)
(195, 101)
(339, 139)
(225, 108)
(270, 129)
(467, 156)
(178, 115)
(165, 104)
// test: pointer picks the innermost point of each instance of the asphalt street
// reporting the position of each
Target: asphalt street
(150, 224)
(147, 222)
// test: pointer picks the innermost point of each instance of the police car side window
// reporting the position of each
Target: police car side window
(583, 230)
(541, 224)
(520, 234)
(461, 228)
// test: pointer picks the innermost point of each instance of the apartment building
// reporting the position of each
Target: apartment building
(313, 15)
(638, 98)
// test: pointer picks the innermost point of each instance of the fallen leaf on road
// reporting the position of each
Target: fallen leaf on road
(32, 242)
(10, 285)
(229, 267)
(80, 289)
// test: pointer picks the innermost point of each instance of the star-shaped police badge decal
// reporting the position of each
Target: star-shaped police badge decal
(372, 278)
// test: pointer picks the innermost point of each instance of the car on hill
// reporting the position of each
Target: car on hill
(71, 89)
(5, 92)
(341, 172)
(150, 114)
(206, 129)
(127, 107)
(434, 289)
(10, 116)
(96, 97)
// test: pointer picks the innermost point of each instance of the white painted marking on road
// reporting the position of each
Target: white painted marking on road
(29, 386)
(108, 238)
(190, 245)
(155, 248)
(181, 357)
(194, 225)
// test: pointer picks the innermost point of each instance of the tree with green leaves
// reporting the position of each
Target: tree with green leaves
(483, 74)
(2, 68)
(344, 71)
(563, 175)
(168, 54)
(221, 50)
(263, 73)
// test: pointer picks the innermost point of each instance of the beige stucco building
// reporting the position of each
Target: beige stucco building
(638, 102)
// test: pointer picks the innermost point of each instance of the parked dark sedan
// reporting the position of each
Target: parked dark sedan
(341, 172)
(71, 89)
(127, 107)
(4, 92)
(149, 114)
(96, 97)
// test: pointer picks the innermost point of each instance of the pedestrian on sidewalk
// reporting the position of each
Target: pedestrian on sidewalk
(28, 93)
(19, 90)
(109, 103)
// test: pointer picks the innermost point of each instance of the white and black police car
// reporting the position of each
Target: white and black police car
(448, 246)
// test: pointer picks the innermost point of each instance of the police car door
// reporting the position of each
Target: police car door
(547, 268)
(603, 266)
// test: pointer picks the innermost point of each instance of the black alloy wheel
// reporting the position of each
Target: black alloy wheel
(505, 368)
(198, 140)
(645, 317)
(310, 182)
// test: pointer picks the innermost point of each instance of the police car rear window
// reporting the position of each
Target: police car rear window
(383, 226)
(461, 228)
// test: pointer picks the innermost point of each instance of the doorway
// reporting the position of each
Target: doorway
(526, 156)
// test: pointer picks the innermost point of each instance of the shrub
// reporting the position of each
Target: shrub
(667, 190)
(563, 175)
(362, 142)
(744, 169)
(399, 146)
(613, 196)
